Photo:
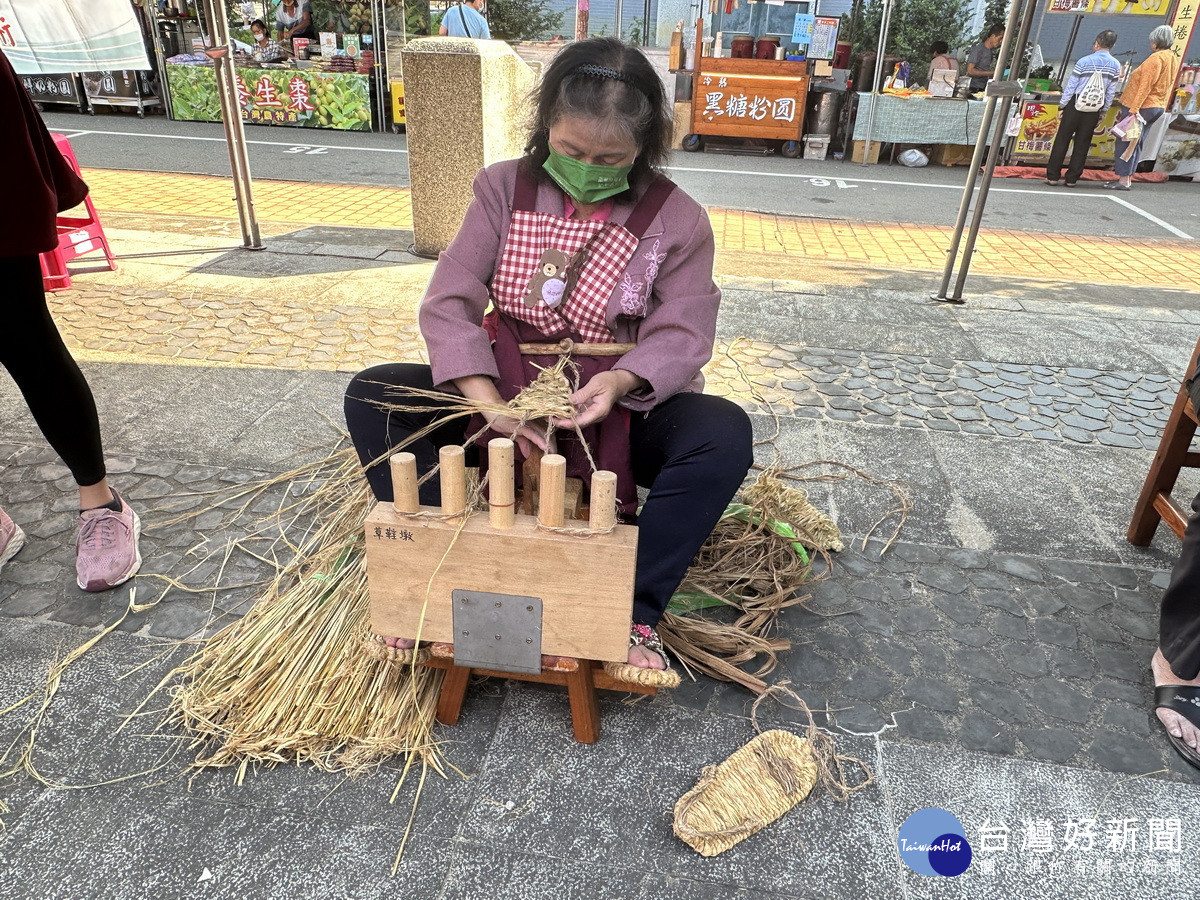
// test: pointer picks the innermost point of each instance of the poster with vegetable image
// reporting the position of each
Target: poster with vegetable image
(338, 100)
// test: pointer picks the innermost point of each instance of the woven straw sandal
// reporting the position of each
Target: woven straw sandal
(375, 648)
(644, 636)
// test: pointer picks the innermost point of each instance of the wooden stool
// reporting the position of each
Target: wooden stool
(1155, 504)
(506, 594)
(581, 677)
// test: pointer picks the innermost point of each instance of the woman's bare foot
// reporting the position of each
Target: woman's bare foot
(645, 658)
(1173, 721)
(400, 643)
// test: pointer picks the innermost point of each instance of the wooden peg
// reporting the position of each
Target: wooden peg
(453, 480)
(603, 513)
(501, 487)
(552, 486)
(405, 499)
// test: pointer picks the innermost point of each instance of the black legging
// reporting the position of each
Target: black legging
(692, 451)
(33, 352)
(1179, 618)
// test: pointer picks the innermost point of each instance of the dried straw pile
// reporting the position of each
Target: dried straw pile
(754, 562)
(287, 682)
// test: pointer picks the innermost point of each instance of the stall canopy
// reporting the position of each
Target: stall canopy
(43, 37)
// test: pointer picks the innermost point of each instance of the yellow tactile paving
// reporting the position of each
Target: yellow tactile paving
(788, 240)
(286, 201)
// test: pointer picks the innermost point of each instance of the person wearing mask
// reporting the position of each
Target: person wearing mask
(1077, 126)
(636, 299)
(981, 61)
(466, 21)
(265, 50)
(1145, 95)
(293, 19)
(40, 185)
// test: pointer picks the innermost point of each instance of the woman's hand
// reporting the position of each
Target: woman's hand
(596, 399)
(526, 436)
(482, 389)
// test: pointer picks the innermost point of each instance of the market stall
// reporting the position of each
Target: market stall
(918, 119)
(752, 82)
(337, 79)
(272, 95)
(1031, 133)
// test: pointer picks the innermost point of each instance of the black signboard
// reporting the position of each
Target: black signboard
(119, 85)
(53, 88)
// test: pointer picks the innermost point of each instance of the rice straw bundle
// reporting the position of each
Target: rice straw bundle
(747, 792)
(547, 397)
(288, 681)
(750, 562)
(788, 504)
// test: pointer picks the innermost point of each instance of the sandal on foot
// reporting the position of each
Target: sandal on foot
(375, 648)
(1185, 700)
(644, 636)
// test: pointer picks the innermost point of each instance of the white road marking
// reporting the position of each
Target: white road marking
(842, 178)
(841, 182)
(221, 140)
(1155, 219)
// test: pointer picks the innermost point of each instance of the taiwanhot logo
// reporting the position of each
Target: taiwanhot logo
(933, 842)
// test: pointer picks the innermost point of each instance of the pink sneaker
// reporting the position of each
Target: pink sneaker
(106, 547)
(12, 538)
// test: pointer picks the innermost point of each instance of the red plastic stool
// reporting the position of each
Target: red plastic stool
(76, 235)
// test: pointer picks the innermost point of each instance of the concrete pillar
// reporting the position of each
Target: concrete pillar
(467, 106)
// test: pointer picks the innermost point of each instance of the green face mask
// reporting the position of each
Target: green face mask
(586, 182)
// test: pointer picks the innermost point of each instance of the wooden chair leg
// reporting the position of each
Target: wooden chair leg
(585, 709)
(453, 693)
(1164, 471)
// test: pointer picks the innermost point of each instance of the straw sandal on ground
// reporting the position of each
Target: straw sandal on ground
(377, 649)
(1185, 700)
(644, 636)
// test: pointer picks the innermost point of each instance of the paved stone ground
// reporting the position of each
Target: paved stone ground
(993, 662)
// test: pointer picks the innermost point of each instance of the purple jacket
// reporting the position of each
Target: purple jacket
(670, 276)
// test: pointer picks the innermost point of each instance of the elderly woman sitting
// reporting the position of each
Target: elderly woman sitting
(635, 295)
(1146, 95)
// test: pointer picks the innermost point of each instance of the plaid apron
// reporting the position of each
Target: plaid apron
(581, 316)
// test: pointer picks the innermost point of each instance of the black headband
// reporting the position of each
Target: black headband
(603, 72)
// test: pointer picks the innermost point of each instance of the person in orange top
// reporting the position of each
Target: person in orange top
(1146, 95)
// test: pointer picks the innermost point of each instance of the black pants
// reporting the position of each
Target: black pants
(34, 354)
(692, 451)
(1179, 618)
(1076, 128)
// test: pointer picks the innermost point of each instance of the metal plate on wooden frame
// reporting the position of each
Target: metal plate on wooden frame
(497, 631)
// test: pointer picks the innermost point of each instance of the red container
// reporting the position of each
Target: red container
(741, 47)
(766, 46)
(841, 55)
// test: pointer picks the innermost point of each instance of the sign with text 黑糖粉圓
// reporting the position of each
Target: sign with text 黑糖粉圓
(54, 36)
